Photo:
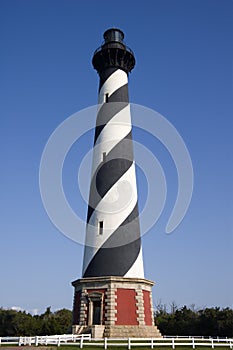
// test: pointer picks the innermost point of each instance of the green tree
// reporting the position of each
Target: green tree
(188, 321)
(64, 320)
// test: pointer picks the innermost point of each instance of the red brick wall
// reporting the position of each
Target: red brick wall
(76, 308)
(126, 307)
(147, 308)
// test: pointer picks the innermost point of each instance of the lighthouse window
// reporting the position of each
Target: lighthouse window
(101, 227)
(104, 156)
(106, 98)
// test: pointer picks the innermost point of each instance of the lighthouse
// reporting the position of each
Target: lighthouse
(113, 298)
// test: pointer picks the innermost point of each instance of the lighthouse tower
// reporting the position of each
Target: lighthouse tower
(113, 299)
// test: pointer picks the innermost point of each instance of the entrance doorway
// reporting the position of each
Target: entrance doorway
(95, 308)
(96, 312)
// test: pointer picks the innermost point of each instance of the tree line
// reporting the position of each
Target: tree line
(20, 323)
(177, 321)
(191, 322)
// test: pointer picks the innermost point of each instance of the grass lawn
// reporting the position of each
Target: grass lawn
(86, 347)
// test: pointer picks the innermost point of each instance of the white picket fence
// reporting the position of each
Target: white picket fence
(67, 339)
(152, 343)
(84, 340)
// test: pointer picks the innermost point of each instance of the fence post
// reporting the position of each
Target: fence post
(105, 343)
(173, 343)
(36, 340)
(212, 343)
(129, 345)
(230, 344)
(81, 342)
(59, 341)
(0, 340)
(152, 343)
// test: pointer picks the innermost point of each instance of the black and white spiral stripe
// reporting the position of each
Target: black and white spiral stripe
(116, 250)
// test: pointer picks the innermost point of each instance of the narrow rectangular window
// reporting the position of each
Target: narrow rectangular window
(106, 98)
(104, 156)
(101, 227)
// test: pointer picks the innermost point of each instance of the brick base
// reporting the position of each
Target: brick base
(114, 307)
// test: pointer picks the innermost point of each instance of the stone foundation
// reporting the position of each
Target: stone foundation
(132, 332)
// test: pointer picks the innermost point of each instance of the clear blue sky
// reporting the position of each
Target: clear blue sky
(183, 50)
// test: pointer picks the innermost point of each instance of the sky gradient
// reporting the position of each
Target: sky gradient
(183, 51)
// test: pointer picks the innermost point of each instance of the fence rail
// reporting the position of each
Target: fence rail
(84, 340)
(46, 340)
